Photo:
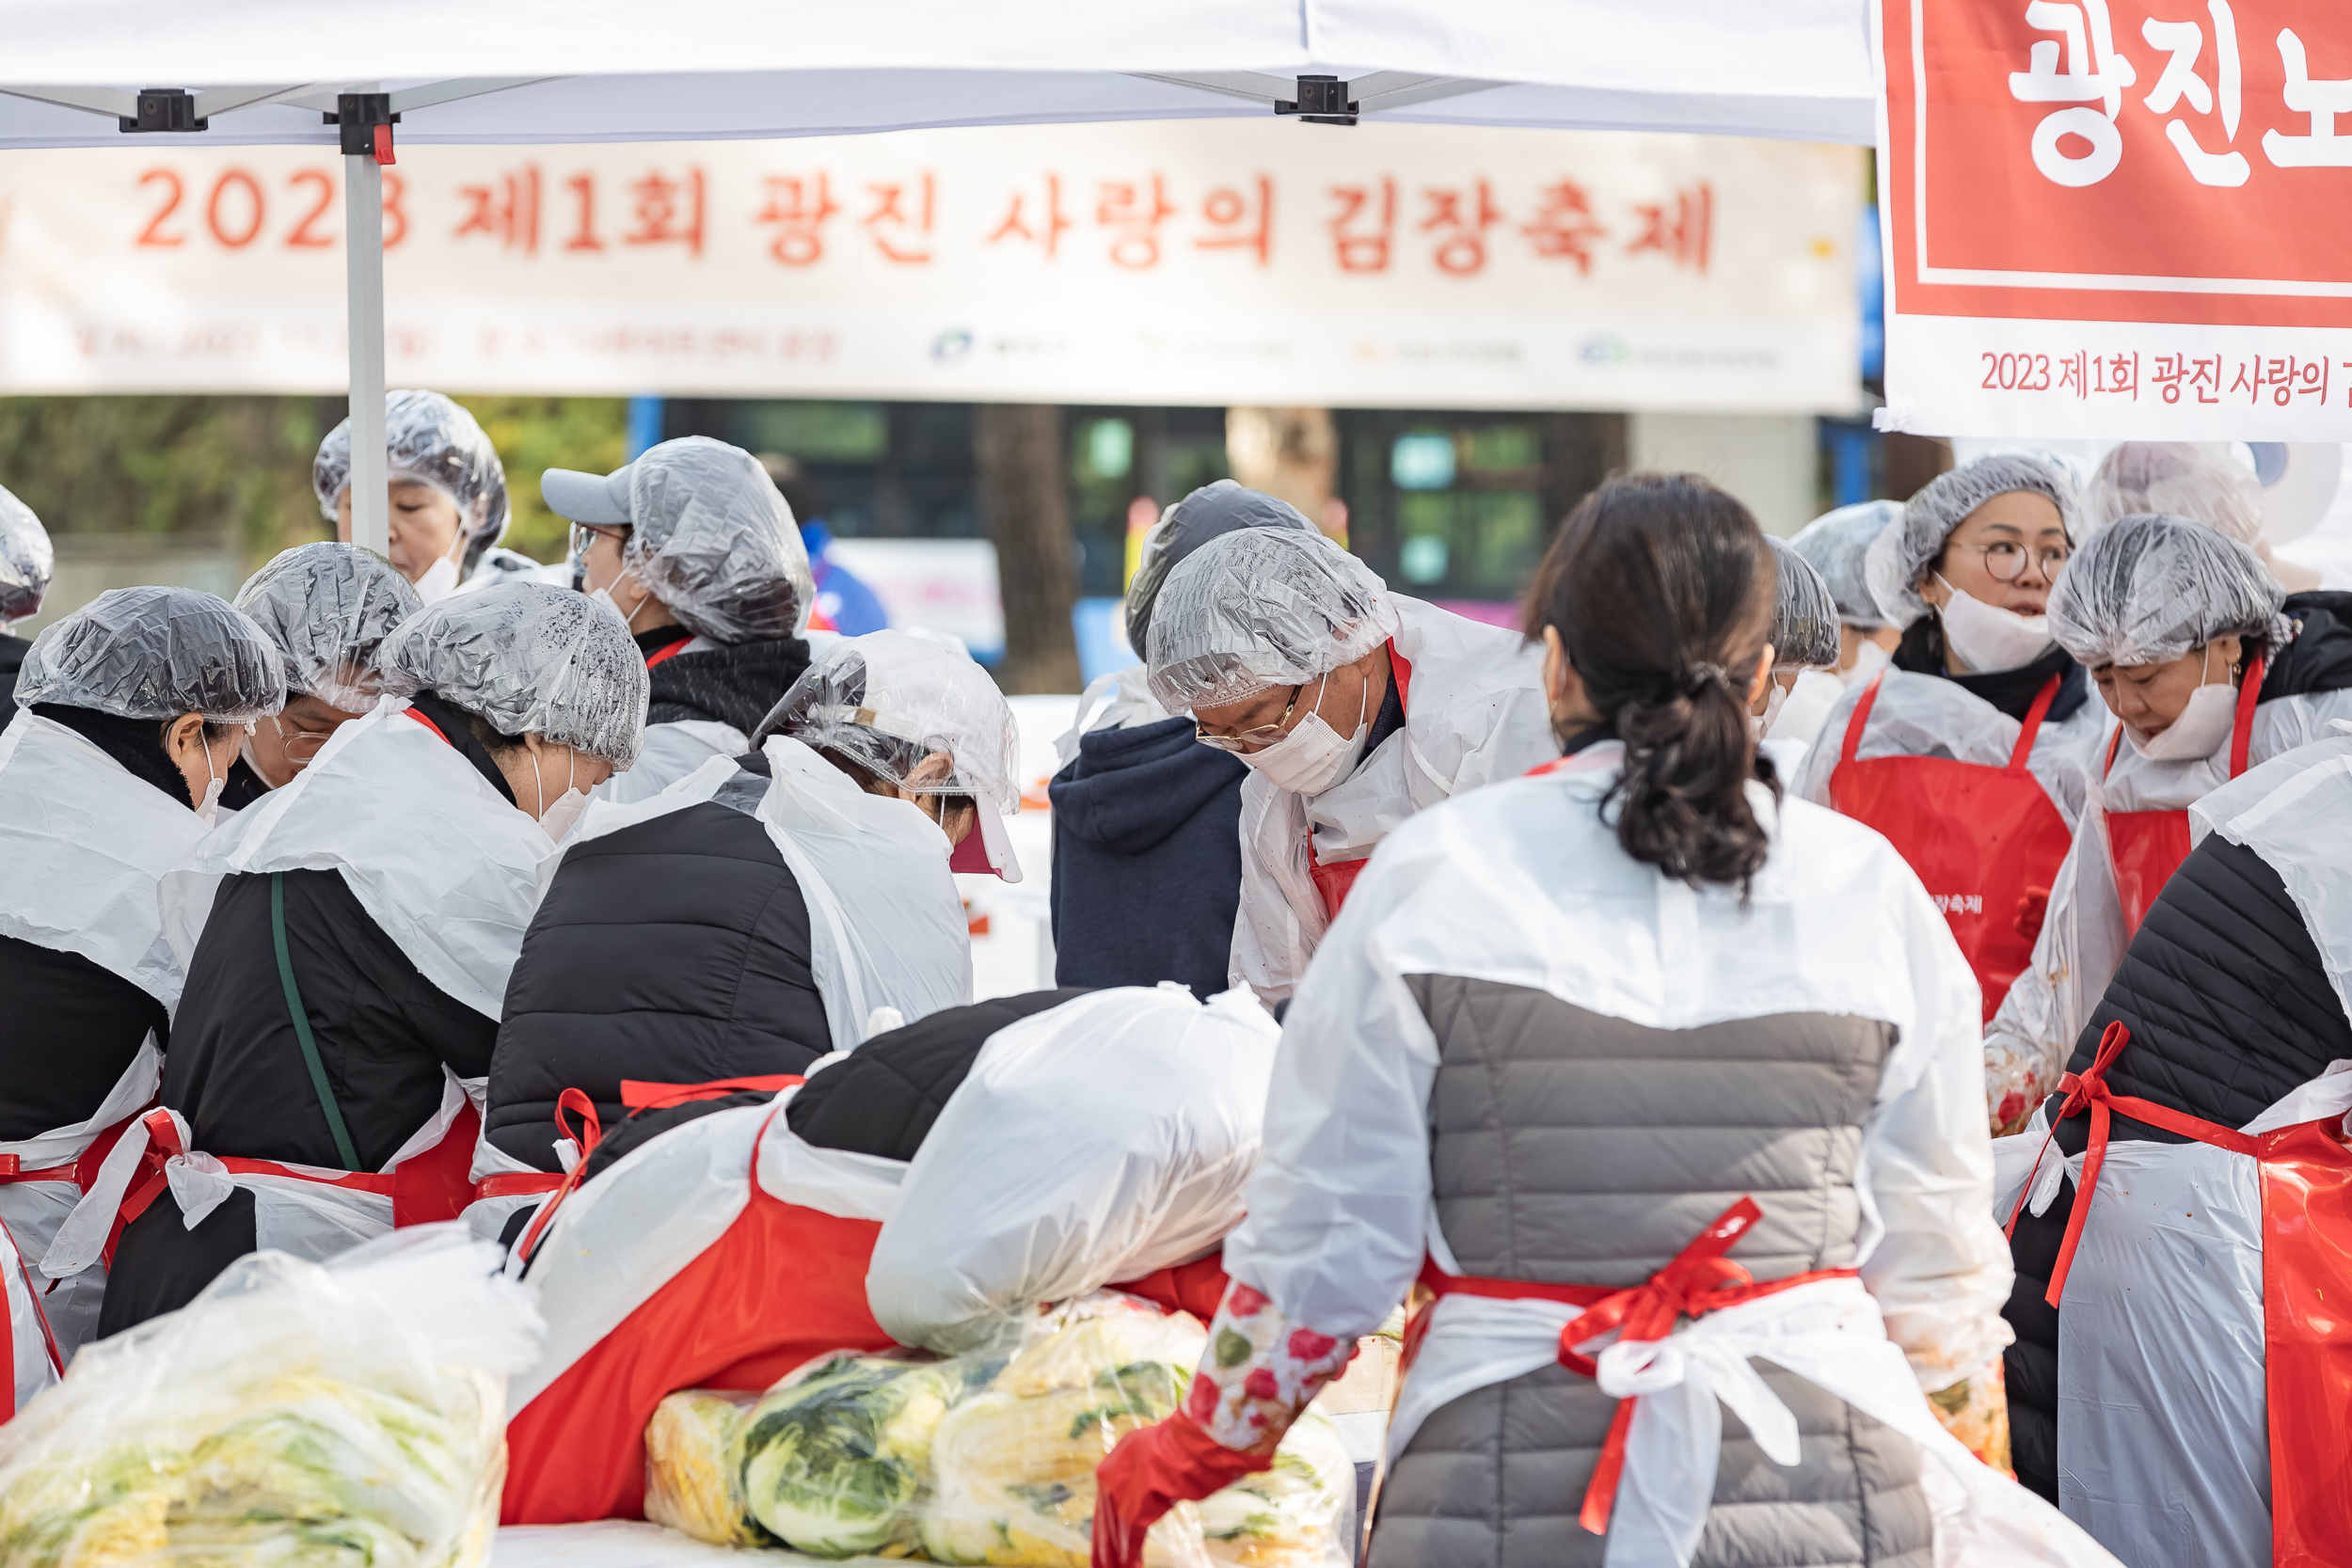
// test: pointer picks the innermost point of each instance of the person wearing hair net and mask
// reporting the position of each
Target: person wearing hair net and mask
(2201, 480)
(449, 507)
(1790, 712)
(693, 546)
(348, 941)
(1353, 708)
(1147, 858)
(1837, 544)
(2208, 673)
(128, 714)
(1632, 1049)
(763, 913)
(1968, 752)
(27, 564)
(327, 606)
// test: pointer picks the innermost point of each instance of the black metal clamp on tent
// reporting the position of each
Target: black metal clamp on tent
(1322, 100)
(364, 121)
(163, 109)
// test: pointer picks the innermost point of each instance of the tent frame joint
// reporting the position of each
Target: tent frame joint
(163, 109)
(364, 122)
(1320, 100)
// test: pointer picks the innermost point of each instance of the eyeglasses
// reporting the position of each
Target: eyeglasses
(300, 746)
(583, 533)
(1252, 740)
(2005, 560)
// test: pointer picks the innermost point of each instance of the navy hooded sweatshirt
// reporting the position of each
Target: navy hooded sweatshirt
(1147, 860)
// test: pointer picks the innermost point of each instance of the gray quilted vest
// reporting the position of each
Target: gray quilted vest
(1570, 1148)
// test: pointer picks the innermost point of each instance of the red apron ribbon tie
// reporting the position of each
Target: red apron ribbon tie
(590, 1132)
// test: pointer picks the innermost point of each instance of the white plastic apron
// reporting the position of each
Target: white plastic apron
(671, 752)
(29, 1354)
(1829, 1333)
(83, 841)
(444, 864)
(44, 1187)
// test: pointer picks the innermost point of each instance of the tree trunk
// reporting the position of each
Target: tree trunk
(1026, 506)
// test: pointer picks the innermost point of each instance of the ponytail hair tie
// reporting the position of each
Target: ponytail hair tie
(1700, 677)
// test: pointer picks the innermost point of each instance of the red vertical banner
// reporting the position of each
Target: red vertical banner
(2117, 217)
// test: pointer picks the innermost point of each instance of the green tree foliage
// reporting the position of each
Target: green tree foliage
(238, 469)
(534, 434)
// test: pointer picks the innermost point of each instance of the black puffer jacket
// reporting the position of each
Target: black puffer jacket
(676, 951)
(733, 684)
(2229, 1008)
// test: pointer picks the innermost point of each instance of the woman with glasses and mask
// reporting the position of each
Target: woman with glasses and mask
(2209, 670)
(693, 546)
(1967, 751)
(327, 606)
(1352, 708)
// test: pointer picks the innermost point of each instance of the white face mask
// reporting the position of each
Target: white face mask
(2205, 724)
(1988, 640)
(440, 578)
(604, 596)
(557, 819)
(1314, 756)
(1772, 704)
(209, 808)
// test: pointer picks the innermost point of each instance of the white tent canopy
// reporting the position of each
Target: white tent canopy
(572, 71)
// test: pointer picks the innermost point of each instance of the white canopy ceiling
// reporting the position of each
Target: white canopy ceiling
(555, 71)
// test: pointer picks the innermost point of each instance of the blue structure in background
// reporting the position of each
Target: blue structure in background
(645, 423)
(1102, 642)
(1870, 274)
(844, 603)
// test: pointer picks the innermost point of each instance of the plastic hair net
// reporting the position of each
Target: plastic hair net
(2196, 480)
(1804, 618)
(156, 653)
(1259, 608)
(528, 658)
(428, 437)
(1835, 544)
(1209, 512)
(1897, 557)
(712, 538)
(328, 606)
(26, 561)
(2150, 587)
(888, 699)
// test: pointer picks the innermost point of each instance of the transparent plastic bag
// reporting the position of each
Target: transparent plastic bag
(986, 1459)
(299, 1415)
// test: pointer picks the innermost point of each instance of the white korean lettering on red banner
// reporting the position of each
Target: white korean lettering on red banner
(2109, 218)
(1199, 262)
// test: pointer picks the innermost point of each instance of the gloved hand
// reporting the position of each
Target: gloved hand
(1150, 1472)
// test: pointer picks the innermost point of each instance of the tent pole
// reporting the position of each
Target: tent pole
(363, 226)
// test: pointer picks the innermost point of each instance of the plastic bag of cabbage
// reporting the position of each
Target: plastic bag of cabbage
(344, 1415)
(986, 1459)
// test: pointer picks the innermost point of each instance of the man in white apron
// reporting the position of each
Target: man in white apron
(1352, 706)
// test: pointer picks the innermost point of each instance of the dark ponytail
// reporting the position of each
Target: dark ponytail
(1661, 588)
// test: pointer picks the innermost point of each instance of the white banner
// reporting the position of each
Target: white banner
(1188, 261)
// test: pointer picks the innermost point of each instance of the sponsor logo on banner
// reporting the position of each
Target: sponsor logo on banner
(1183, 261)
(2117, 217)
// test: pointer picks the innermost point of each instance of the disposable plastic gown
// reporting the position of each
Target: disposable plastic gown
(2083, 931)
(1018, 1196)
(530, 660)
(1475, 713)
(328, 607)
(1524, 883)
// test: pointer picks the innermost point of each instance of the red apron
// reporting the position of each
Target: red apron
(781, 1284)
(1334, 880)
(1698, 1280)
(1986, 840)
(2306, 1175)
(2145, 847)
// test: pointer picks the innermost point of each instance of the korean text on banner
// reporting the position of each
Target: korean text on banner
(1185, 262)
(2117, 218)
